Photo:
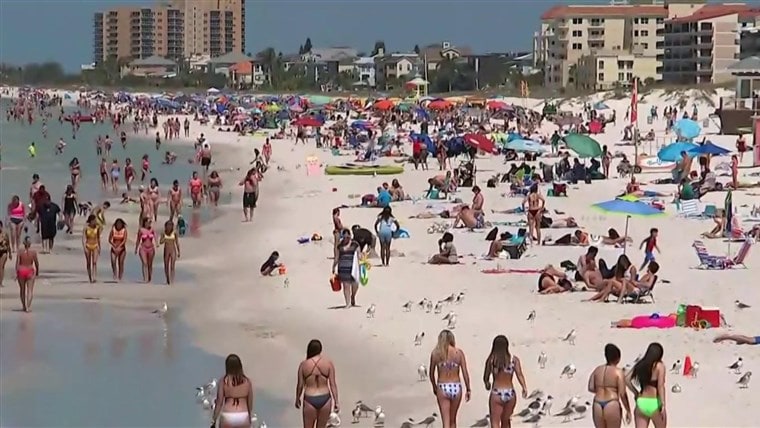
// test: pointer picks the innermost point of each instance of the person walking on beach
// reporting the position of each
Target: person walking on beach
(117, 238)
(344, 266)
(337, 229)
(27, 269)
(70, 204)
(234, 396)
(649, 244)
(175, 200)
(536, 206)
(91, 246)
(316, 390)
(384, 229)
(446, 371)
(607, 383)
(214, 184)
(76, 170)
(170, 241)
(5, 251)
(145, 246)
(17, 216)
(502, 366)
(50, 214)
(250, 185)
(195, 187)
(649, 374)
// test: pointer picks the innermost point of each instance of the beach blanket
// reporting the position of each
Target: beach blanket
(500, 271)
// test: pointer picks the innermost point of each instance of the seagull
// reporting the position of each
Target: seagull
(535, 419)
(452, 322)
(568, 371)
(744, 380)
(422, 372)
(407, 306)
(263, 425)
(255, 420)
(741, 305)
(371, 311)
(356, 414)
(676, 367)
(571, 402)
(161, 312)
(537, 393)
(460, 298)
(524, 412)
(378, 410)
(333, 420)
(737, 366)
(694, 369)
(531, 316)
(429, 306)
(286, 282)
(547, 407)
(482, 423)
(449, 299)
(567, 413)
(582, 409)
(206, 404)
(418, 338)
(407, 424)
(438, 308)
(363, 408)
(542, 358)
(207, 388)
(379, 418)
(535, 405)
(423, 303)
(449, 315)
(430, 420)
(570, 338)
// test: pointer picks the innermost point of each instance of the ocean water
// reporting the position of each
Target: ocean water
(74, 364)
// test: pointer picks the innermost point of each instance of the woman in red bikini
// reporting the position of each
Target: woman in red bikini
(27, 269)
(145, 246)
(196, 190)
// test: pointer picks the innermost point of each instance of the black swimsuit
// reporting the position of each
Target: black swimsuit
(317, 401)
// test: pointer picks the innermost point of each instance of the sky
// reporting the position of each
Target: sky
(61, 30)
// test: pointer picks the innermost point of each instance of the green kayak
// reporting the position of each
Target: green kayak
(354, 169)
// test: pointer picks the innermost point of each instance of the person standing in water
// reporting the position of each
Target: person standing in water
(214, 188)
(607, 383)
(27, 269)
(129, 173)
(250, 185)
(117, 238)
(649, 374)
(170, 241)
(384, 229)
(195, 186)
(91, 246)
(75, 170)
(115, 173)
(145, 246)
(6, 252)
(501, 365)
(234, 396)
(316, 390)
(446, 370)
(175, 200)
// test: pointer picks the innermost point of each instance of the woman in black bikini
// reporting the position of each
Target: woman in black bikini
(536, 204)
(316, 381)
(501, 365)
(70, 205)
(607, 383)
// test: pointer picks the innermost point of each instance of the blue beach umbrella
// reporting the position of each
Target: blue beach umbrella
(629, 208)
(687, 128)
(601, 106)
(672, 152)
(709, 148)
(522, 145)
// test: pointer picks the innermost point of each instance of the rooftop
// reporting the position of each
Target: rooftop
(153, 61)
(606, 11)
(230, 58)
(711, 11)
(749, 65)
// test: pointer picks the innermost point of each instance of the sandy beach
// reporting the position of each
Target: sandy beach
(232, 309)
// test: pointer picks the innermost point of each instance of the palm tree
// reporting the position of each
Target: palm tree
(268, 58)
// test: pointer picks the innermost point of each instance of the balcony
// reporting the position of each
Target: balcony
(595, 24)
(595, 36)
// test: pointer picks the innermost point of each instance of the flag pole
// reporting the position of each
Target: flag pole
(635, 124)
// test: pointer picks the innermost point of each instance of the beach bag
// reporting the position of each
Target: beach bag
(335, 283)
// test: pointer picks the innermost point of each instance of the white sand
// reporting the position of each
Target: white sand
(233, 309)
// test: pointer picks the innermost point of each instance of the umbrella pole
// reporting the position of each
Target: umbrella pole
(625, 240)
(635, 153)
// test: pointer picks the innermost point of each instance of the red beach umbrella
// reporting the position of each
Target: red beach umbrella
(497, 105)
(439, 105)
(307, 121)
(480, 142)
(383, 105)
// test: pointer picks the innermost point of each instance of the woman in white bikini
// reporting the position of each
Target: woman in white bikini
(447, 368)
(234, 397)
(501, 366)
(316, 381)
(607, 383)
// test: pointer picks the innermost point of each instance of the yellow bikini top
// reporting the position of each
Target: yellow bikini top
(169, 237)
(91, 232)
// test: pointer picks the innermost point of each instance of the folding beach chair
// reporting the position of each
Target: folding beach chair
(689, 209)
(707, 260)
(640, 296)
(738, 260)
(710, 211)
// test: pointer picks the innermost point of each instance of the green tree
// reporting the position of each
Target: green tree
(272, 64)
(378, 46)
(307, 45)
(417, 49)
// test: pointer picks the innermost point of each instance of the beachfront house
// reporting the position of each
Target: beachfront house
(749, 40)
(365, 71)
(246, 74)
(153, 66)
(391, 70)
(434, 54)
(221, 64)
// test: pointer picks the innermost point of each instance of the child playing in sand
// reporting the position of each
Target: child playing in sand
(651, 244)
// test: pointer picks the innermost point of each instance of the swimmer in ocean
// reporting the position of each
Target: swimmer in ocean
(32, 150)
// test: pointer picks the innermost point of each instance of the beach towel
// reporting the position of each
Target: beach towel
(355, 267)
(517, 223)
(499, 271)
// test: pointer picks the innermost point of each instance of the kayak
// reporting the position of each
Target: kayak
(353, 169)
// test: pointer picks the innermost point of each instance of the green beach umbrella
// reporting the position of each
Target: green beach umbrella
(319, 100)
(583, 145)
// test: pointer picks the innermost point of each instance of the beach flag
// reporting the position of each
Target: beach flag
(635, 102)
(312, 166)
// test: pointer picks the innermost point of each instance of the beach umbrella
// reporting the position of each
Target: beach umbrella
(308, 121)
(212, 91)
(361, 125)
(522, 145)
(672, 152)
(480, 142)
(583, 145)
(708, 148)
(272, 108)
(687, 128)
(319, 100)
(439, 105)
(383, 105)
(629, 208)
(601, 106)
(497, 105)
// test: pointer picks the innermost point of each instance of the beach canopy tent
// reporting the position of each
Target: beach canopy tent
(687, 129)
(672, 152)
(708, 148)
(212, 91)
(480, 142)
(583, 145)
(523, 145)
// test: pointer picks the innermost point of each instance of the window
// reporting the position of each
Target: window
(660, 20)
(621, 77)
(645, 20)
(577, 33)
(645, 45)
(577, 46)
(600, 64)
(635, 20)
(636, 33)
(629, 77)
(644, 33)
(577, 21)
(600, 76)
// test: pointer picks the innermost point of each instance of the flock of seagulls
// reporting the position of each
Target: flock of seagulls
(362, 410)
(205, 397)
(736, 367)
(540, 407)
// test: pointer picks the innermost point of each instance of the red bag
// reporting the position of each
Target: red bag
(698, 317)
(335, 283)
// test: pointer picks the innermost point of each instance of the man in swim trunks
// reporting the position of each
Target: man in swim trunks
(739, 339)
(467, 217)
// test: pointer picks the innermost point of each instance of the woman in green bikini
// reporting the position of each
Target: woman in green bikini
(649, 373)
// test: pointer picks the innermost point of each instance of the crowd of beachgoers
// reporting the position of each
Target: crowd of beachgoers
(465, 160)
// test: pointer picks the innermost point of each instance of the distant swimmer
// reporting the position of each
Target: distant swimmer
(32, 150)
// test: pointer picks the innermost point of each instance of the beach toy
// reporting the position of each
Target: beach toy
(654, 320)
(353, 169)
(401, 233)
(364, 267)
(316, 237)
(282, 270)
(687, 366)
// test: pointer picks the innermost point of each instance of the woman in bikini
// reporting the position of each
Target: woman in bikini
(91, 246)
(145, 246)
(129, 173)
(175, 200)
(154, 197)
(70, 204)
(502, 366)
(117, 238)
(115, 173)
(234, 396)
(447, 368)
(316, 391)
(170, 241)
(17, 216)
(214, 187)
(649, 374)
(607, 383)
(104, 173)
(624, 271)
(606, 161)
(27, 269)
(5, 251)
(75, 170)
(195, 186)
(536, 205)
